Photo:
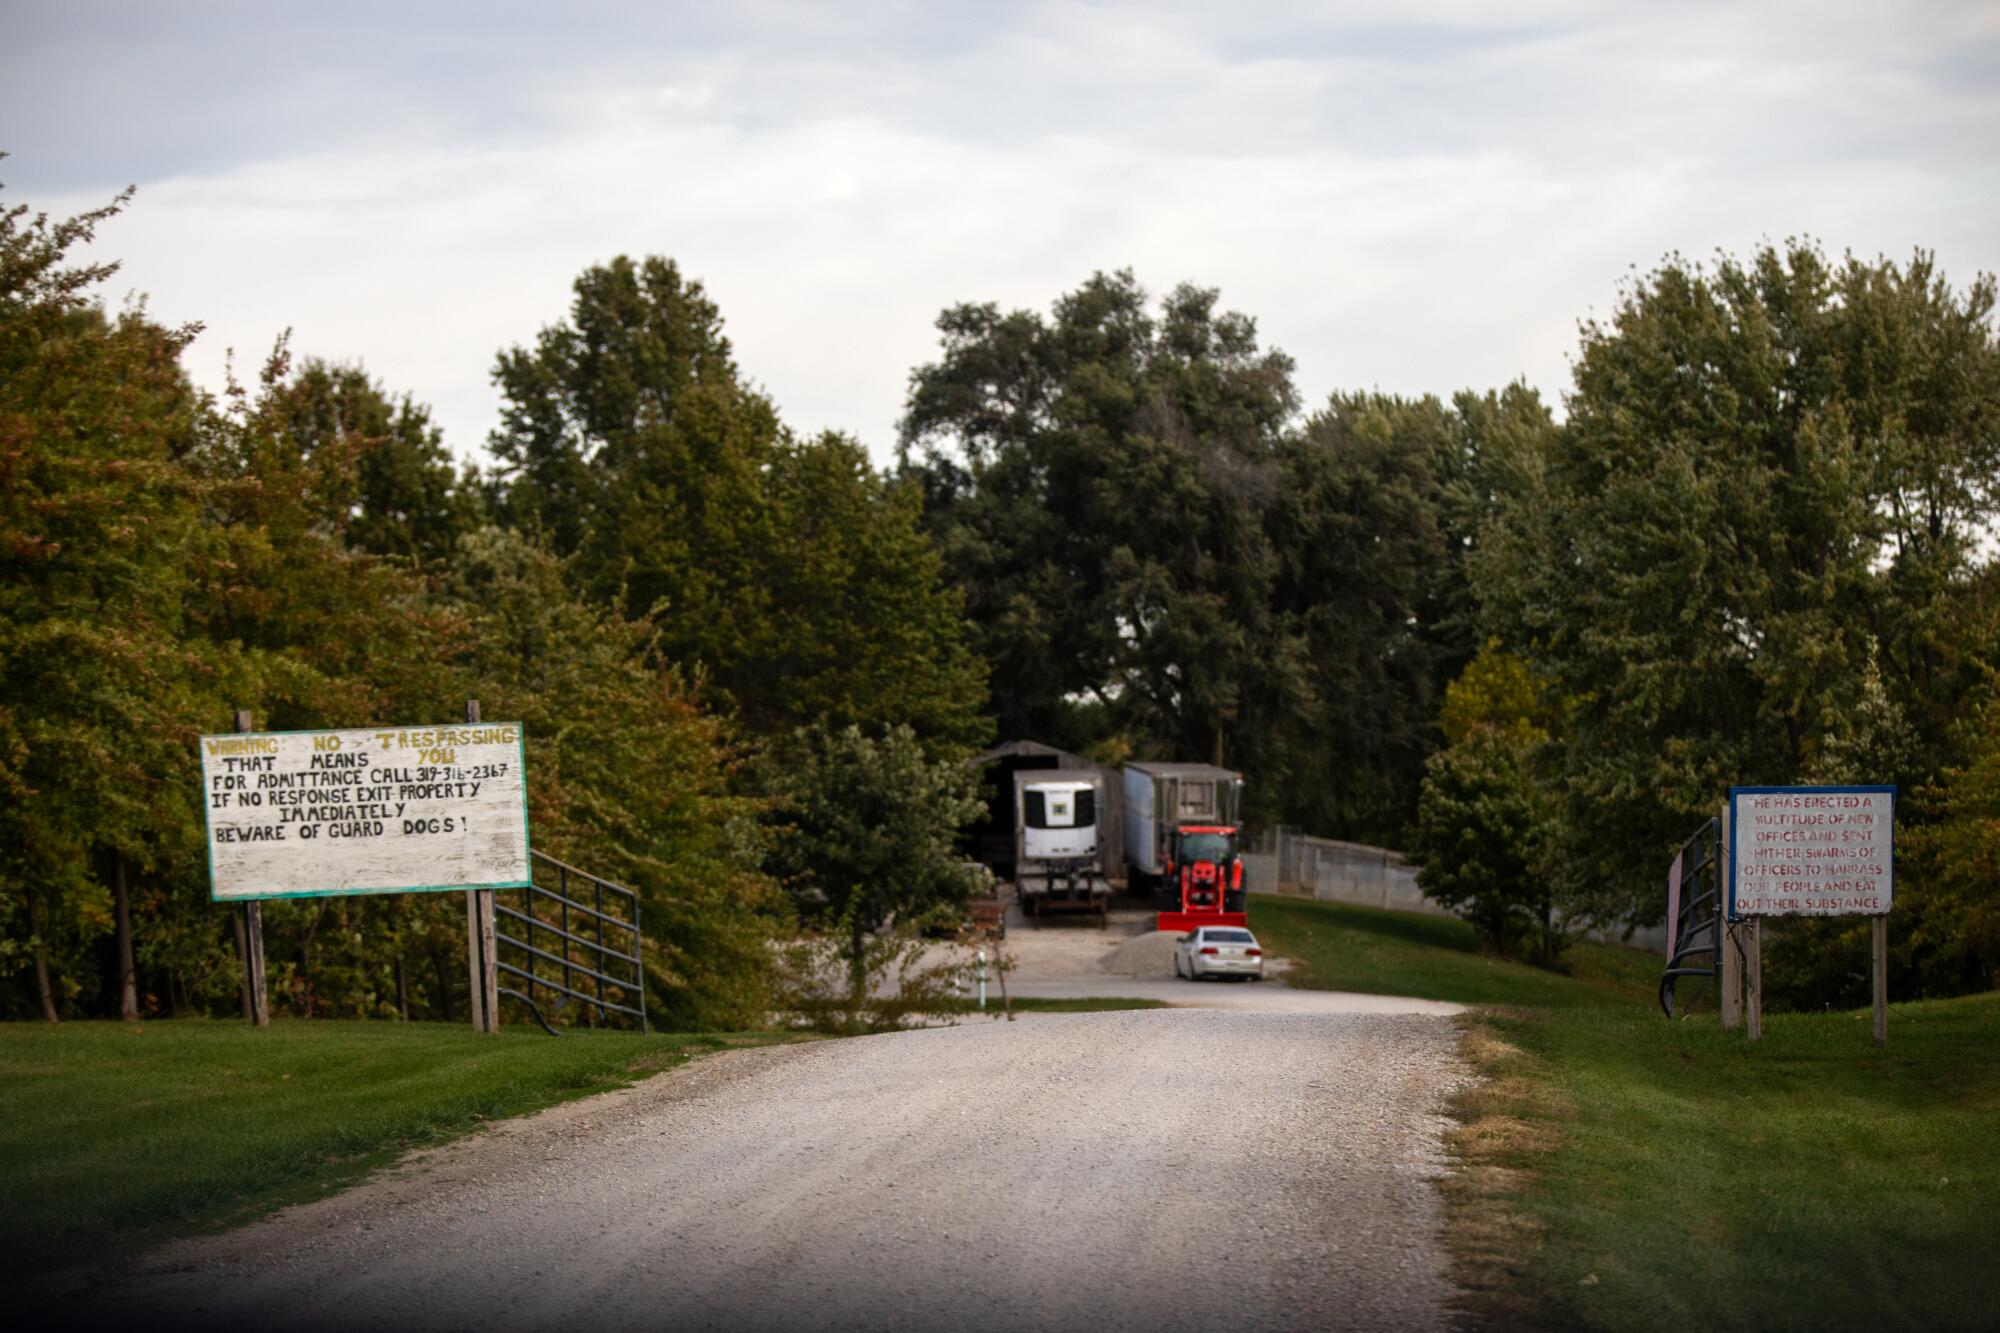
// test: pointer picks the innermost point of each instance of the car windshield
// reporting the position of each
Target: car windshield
(1207, 847)
(1229, 937)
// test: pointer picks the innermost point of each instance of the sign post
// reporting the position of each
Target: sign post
(1729, 966)
(481, 960)
(1812, 851)
(1753, 980)
(256, 999)
(1881, 988)
(476, 998)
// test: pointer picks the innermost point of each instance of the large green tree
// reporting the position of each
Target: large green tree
(1487, 818)
(629, 777)
(866, 836)
(1097, 481)
(168, 561)
(310, 629)
(883, 640)
(1948, 912)
(1382, 505)
(1759, 529)
(98, 681)
(402, 494)
(167, 558)
(786, 570)
(1160, 560)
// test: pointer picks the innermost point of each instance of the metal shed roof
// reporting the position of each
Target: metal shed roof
(1186, 770)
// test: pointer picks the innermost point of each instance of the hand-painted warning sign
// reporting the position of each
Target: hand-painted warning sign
(298, 814)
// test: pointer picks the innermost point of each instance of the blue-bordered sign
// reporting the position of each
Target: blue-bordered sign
(303, 814)
(1811, 851)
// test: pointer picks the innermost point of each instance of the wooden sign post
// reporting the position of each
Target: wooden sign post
(1729, 966)
(482, 966)
(1810, 851)
(1753, 981)
(250, 932)
(1881, 987)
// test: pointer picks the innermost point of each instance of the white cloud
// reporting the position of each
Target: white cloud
(1420, 201)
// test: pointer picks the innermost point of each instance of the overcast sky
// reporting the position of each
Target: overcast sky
(1415, 197)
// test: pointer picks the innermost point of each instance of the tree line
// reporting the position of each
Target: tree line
(1755, 547)
(667, 586)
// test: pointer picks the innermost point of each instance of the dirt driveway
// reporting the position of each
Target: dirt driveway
(1145, 1170)
(1071, 958)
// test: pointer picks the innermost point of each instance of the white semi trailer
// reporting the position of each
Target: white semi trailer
(1058, 843)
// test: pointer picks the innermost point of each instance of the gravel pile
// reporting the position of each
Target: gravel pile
(1145, 956)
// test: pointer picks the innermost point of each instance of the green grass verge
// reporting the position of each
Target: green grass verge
(1621, 1171)
(1334, 946)
(1616, 1170)
(114, 1135)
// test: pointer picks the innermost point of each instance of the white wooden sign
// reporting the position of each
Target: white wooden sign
(299, 814)
(1812, 851)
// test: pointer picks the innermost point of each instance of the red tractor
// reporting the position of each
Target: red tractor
(1206, 869)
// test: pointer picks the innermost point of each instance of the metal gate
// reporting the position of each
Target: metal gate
(571, 936)
(1694, 911)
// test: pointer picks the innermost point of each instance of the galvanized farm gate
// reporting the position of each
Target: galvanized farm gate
(1694, 911)
(567, 937)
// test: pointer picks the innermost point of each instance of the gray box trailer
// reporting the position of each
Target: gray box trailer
(1160, 798)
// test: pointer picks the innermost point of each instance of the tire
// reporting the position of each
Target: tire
(1177, 965)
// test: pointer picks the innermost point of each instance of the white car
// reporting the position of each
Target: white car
(1218, 951)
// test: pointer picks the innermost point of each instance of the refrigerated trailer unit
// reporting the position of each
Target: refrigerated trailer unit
(1058, 843)
(991, 839)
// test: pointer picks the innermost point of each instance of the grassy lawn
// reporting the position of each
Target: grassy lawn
(1338, 947)
(1617, 1170)
(111, 1134)
(1621, 1171)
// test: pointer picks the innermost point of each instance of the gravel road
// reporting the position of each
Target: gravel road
(1130, 960)
(1145, 1170)
(1267, 997)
